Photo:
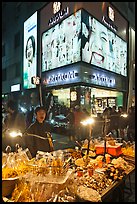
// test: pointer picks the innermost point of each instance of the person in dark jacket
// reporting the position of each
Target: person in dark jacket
(131, 124)
(39, 128)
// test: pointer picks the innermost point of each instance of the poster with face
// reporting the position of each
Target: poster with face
(30, 51)
(101, 47)
(61, 44)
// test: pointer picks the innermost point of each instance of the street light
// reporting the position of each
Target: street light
(88, 121)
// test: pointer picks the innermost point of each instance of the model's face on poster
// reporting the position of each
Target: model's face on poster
(30, 51)
(102, 47)
(98, 44)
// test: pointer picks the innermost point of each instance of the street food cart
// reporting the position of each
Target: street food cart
(68, 175)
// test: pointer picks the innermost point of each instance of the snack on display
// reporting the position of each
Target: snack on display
(88, 194)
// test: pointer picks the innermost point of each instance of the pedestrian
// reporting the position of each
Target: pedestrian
(14, 121)
(79, 116)
(106, 117)
(114, 121)
(70, 117)
(131, 124)
(39, 128)
(122, 123)
(29, 117)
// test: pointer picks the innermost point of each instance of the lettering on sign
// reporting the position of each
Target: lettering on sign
(58, 16)
(102, 80)
(62, 77)
(108, 24)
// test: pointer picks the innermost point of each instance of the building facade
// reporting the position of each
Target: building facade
(63, 52)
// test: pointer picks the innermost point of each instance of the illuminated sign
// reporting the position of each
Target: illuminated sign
(58, 16)
(111, 14)
(110, 25)
(30, 51)
(56, 7)
(61, 77)
(35, 80)
(73, 96)
(103, 80)
(61, 43)
(15, 87)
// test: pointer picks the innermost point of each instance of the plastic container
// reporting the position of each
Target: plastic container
(112, 150)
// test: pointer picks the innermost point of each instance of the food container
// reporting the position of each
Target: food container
(8, 185)
(112, 150)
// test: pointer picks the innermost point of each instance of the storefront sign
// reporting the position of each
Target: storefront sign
(111, 13)
(110, 25)
(73, 96)
(56, 7)
(61, 77)
(58, 16)
(103, 80)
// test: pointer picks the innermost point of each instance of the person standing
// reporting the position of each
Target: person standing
(15, 121)
(78, 117)
(131, 124)
(39, 128)
(70, 118)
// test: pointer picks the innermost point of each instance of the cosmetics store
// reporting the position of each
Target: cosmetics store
(84, 54)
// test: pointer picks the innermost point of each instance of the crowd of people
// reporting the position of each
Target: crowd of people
(120, 123)
(35, 123)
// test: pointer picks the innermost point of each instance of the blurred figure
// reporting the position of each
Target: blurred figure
(122, 123)
(78, 117)
(39, 128)
(131, 124)
(15, 121)
(114, 121)
(29, 117)
(70, 117)
(106, 117)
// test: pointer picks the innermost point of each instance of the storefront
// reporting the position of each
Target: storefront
(84, 54)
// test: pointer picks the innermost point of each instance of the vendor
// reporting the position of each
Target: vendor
(39, 128)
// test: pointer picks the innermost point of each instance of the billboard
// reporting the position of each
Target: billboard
(30, 51)
(61, 44)
(101, 47)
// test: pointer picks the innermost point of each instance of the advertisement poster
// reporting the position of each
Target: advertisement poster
(30, 51)
(61, 44)
(101, 47)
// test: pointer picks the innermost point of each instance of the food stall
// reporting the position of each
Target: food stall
(68, 175)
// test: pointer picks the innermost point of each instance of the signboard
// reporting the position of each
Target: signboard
(61, 76)
(101, 47)
(30, 51)
(15, 87)
(61, 44)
